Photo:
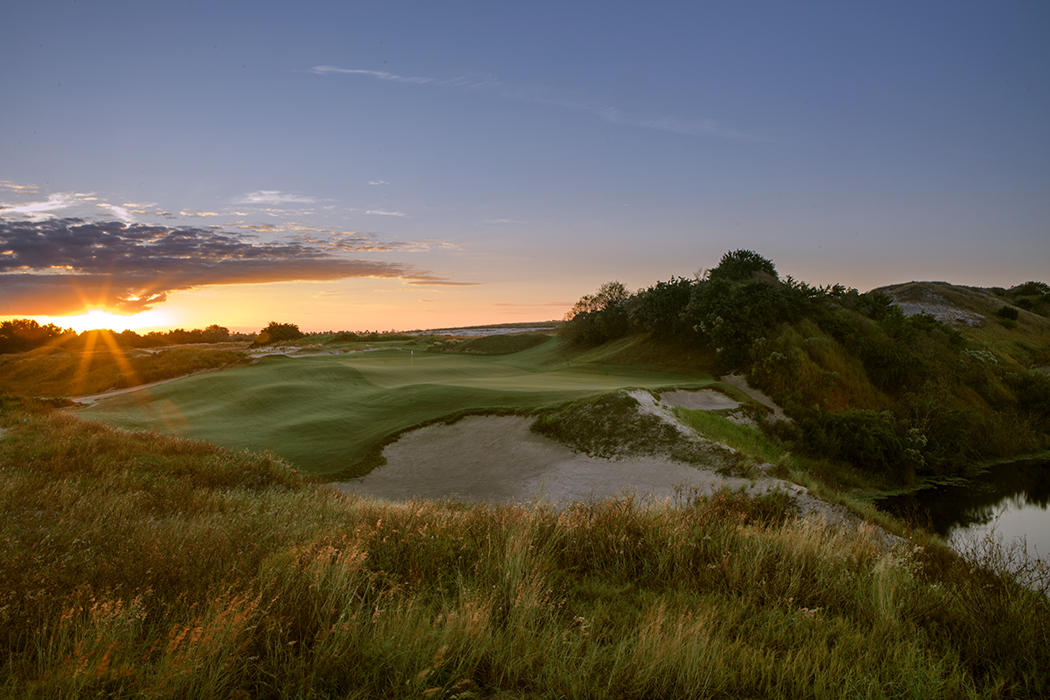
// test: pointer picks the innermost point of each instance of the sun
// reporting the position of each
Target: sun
(100, 318)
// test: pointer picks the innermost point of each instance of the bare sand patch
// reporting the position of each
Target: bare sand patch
(698, 400)
(740, 382)
(497, 459)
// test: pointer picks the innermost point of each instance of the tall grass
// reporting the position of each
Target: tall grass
(141, 565)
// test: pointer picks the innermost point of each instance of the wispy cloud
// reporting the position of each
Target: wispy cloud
(261, 228)
(60, 265)
(503, 221)
(607, 113)
(120, 212)
(275, 197)
(44, 209)
(187, 212)
(378, 74)
(378, 182)
(385, 212)
(19, 189)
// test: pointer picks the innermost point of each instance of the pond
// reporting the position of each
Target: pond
(1009, 501)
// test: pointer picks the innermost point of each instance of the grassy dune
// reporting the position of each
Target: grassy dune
(330, 415)
(55, 371)
(140, 565)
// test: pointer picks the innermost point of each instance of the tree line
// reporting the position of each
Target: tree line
(23, 334)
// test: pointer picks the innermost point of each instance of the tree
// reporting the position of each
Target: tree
(742, 265)
(599, 317)
(278, 332)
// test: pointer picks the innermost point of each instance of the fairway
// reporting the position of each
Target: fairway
(329, 415)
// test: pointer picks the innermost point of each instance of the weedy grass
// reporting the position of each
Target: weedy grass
(141, 565)
(742, 438)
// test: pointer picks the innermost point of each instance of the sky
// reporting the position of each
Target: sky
(389, 165)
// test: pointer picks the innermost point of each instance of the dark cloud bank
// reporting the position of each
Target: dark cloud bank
(55, 267)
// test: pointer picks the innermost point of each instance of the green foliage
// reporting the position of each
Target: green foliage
(277, 333)
(600, 317)
(868, 439)
(21, 334)
(660, 308)
(1007, 312)
(743, 265)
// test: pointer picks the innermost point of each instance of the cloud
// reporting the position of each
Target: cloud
(385, 212)
(59, 266)
(260, 228)
(379, 74)
(362, 242)
(19, 189)
(119, 212)
(186, 212)
(378, 182)
(142, 209)
(609, 114)
(503, 221)
(42, 210)
(275, 197)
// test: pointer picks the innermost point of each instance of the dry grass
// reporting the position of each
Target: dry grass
(54, 371)
(141, 565)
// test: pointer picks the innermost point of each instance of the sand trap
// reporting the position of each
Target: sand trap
(701, 400)
(497, 459)
(740, 382)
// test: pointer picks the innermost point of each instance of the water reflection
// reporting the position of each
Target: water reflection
(1011, 500)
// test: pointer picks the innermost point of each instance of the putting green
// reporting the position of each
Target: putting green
(329, 415)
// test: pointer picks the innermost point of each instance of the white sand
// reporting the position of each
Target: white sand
(740, 382)
(701, 400)
(497, 459)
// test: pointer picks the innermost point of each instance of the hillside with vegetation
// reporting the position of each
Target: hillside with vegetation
(898, 395)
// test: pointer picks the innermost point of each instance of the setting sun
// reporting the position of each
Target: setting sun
(100, 318)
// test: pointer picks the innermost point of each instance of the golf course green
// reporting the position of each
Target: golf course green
(330, 415)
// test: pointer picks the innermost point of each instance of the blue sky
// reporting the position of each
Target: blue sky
(531, 150)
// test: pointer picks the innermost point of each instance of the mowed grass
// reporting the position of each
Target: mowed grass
(137, 565)
(330, 415)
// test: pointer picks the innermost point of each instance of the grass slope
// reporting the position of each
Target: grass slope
(330, 415)
(137, 565)
(54, 371)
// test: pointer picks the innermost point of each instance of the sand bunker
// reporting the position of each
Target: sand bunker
(702, 400)
(740, 382)
(497, 459)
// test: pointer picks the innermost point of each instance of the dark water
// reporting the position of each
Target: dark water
(1010, 502)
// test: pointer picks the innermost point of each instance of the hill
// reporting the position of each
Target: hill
(988, 316)
(915, 381)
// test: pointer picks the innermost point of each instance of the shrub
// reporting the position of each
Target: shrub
(276, 333)
(1007, 312)
(867, 439)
